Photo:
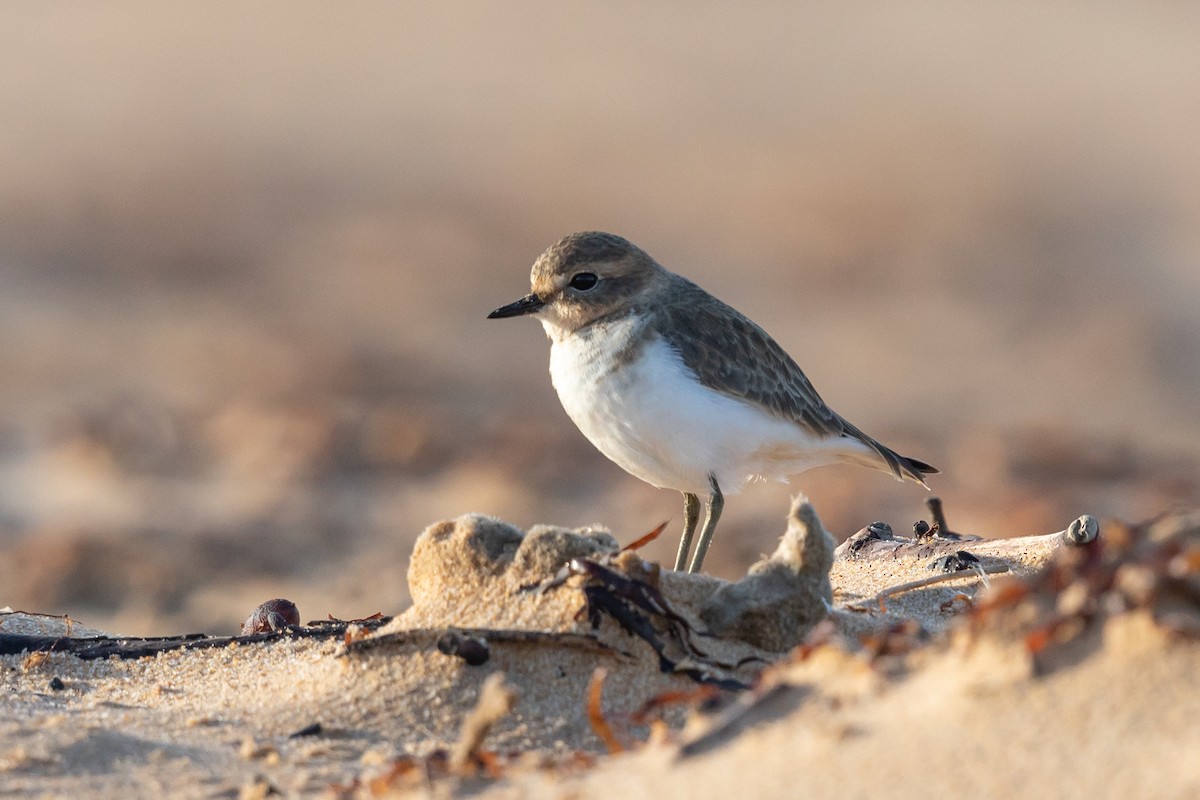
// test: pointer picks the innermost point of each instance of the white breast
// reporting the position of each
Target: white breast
(658, 422)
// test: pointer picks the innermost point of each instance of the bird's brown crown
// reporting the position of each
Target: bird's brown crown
(588, 276)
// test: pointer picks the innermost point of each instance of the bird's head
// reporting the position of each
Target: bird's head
(582, 278)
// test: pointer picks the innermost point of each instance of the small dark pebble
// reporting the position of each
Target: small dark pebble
(470, 649)
(954, 562)
(56, 684)
(920, 529)
(271, 616)
(314, 729)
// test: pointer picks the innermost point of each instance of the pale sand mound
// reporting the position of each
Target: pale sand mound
(478, 571)
(1050, 688)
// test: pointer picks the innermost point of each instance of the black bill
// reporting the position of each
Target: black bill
(526, 305)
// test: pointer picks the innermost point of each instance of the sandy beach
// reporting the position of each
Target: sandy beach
(1068, 673)
(246, 258)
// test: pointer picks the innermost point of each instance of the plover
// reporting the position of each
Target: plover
(678, 388)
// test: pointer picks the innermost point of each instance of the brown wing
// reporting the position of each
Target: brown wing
(718, 344)
(731, 354)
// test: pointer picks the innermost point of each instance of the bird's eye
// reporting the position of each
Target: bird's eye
(584, 281)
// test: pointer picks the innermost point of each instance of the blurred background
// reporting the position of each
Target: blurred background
(246, 254)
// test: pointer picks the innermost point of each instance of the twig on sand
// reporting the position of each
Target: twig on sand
(595, 712)
(647, 539)
(496, 699)
(126, 647)
(430, 638)
(933, 580)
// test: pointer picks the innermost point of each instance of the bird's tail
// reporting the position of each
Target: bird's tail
(880, 456)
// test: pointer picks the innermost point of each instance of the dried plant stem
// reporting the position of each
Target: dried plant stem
(932, 580)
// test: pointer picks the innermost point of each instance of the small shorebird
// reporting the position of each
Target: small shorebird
(678, 388)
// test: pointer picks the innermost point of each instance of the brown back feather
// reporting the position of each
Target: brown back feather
(717, 342)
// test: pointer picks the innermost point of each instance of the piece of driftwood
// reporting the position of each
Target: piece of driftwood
(877, 602)
(124, 647)
(877, 541)
(440, 639)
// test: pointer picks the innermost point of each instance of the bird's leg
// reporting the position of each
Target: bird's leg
(691, 516)
(716, 502)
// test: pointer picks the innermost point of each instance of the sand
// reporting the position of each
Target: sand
(246, 260)
(1072, 676)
